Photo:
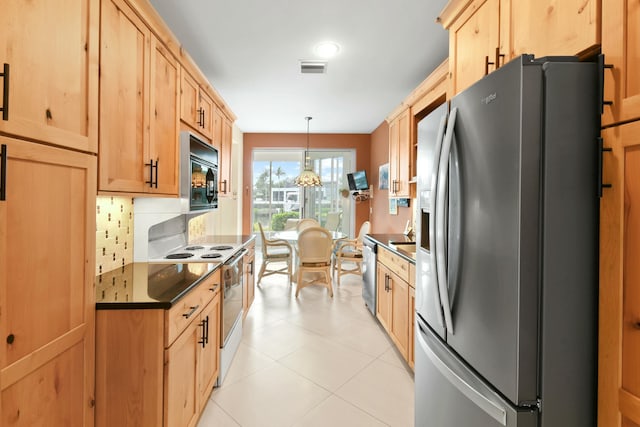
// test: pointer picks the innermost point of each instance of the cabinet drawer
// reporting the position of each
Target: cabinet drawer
(394, 262)
(178, 317)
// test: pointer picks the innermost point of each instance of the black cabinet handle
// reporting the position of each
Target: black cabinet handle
(151, 182)
(486, 65)
(203, 339)
(5, 93)
(11, 338)
(601, 150)
(498, 57)
(206, 331)
(602, 66)
(155, 184)
(3, 172)
(200, 117)
(190, 312)
(225, 186)
(251, 268)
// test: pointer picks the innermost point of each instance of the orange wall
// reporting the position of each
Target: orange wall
(360, 142)
(381, 221)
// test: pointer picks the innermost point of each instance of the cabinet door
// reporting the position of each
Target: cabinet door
(473, 39)
(404, 154)
(225, 158)
(47, 300)
(208, 117)
(551, 27)
(619, 337)
(621, 47)
(164, 127)
(52, 51)
(209, 361)
(383, 303)
(124, 99)
(249, 283)
(400, 314)
(189, 100)
(218, 120)
(181, 374)
(394, 146)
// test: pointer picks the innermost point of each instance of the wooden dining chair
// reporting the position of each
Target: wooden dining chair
(314, 255)
(275, 251)
(349, 251)
(306, 222)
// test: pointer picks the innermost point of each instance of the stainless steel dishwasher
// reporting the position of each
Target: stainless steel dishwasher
(369, 251)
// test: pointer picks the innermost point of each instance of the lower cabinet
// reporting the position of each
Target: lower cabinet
(157, 367)
(47, 298)
(394, 308)
(249, 278)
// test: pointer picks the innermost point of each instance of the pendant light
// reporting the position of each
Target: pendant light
(308, 178)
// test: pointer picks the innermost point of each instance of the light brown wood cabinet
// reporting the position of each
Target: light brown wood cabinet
(249, 290)
(158, 367)
(197, 108)
(47, 301)
(619, 332)
(400, 168)
(191, 368)
(52, 53)
(393, 302)
(620, 44)
(485, 34)
(138, 106)
(226, 144)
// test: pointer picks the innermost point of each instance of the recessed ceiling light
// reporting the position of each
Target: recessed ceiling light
(327, 49)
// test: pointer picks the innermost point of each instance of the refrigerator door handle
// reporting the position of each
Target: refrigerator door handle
(443, 170)
(492, 409)
(432, 220)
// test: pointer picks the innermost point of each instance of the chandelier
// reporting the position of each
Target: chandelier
(308, 178)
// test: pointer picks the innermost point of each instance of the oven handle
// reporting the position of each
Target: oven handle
(235, 258)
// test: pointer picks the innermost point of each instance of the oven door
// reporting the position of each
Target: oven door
(204, 185)
(232, 295)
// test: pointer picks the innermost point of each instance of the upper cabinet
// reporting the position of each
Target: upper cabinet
(196, 106)
(484, 34)
(138, 106)
(400, 169)
(552, 27)
(620, 46)
(49, 84)
(431, 93)
(478, 43)
(226, 142)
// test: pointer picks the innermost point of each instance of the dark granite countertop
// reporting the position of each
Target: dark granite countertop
(387, 240)
(149, 285)
(144, 285)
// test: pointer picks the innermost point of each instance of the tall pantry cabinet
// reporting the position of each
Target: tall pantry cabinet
(48, 134)
(619, 340)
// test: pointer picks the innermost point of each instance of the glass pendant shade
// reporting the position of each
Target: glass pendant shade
(308, 178)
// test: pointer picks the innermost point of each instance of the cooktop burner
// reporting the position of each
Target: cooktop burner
(221, 248)
(179, 255)
(193, 248)
(211, 255)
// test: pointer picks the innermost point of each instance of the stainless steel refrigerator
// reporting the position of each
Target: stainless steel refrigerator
(506, 296)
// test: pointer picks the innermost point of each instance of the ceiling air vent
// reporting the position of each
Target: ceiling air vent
(313, 67)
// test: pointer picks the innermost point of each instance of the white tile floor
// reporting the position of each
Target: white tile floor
(312, 361)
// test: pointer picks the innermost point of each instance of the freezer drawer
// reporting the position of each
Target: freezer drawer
(448, 394)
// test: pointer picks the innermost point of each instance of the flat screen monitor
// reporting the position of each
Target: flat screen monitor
(358, 181)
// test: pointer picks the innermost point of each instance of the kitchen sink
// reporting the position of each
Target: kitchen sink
(406, 248)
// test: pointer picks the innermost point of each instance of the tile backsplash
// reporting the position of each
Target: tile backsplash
(114, 232)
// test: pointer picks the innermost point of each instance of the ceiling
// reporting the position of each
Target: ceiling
(250, 50)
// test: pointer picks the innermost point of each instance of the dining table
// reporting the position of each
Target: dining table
(292, 235)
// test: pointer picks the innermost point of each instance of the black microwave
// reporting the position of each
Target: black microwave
(198, 173)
